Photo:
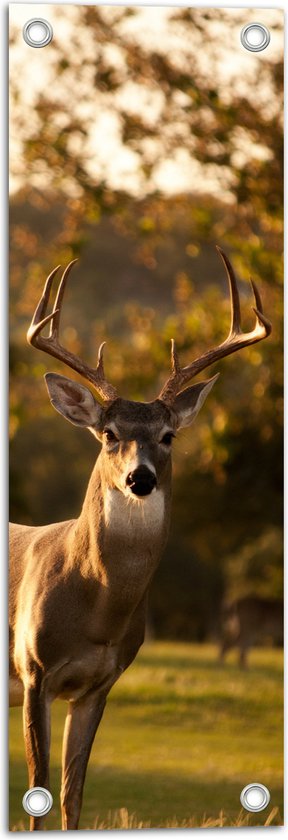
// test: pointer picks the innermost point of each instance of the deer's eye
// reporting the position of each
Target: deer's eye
(167, 438)
(109, 435)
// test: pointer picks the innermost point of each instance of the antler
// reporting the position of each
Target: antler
(52, 345)
(235, 340)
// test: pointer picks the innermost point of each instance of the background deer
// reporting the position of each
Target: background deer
(250, 620)
(78, 589)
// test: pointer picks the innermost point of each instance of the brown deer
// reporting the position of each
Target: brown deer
(248, 621)
(78, 589)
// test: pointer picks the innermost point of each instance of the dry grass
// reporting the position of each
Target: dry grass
(121, 820)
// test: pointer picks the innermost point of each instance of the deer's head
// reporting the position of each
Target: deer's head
(136, 437)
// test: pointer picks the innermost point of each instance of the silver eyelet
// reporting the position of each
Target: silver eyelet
(255, 797)
(255, 37)
(37, 801)
(37, 32)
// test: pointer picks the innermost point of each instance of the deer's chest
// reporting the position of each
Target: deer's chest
(96, 667)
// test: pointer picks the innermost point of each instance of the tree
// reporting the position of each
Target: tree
(165, 108)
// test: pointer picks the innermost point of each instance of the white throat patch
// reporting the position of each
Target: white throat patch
(127, 514)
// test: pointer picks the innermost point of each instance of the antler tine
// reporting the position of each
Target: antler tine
(234, 341)
(51, 344)
(55, 322)
(235, 326)
(38, 321)
(258, 309)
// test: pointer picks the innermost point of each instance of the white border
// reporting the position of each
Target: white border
(274, 832)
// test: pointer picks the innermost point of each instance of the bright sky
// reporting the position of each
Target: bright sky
(108, 157)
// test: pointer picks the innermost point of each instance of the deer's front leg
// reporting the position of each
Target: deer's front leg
(81, 724)
(36, 721)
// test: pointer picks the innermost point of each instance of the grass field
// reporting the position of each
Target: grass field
(181, 736)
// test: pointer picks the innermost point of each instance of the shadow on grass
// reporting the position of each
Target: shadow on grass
(153, 797)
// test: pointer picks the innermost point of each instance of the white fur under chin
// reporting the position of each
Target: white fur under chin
(126, 512)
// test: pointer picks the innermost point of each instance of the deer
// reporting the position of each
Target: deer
(78, 589)
(250, 620)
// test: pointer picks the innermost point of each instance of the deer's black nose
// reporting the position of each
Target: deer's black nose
(141, 481)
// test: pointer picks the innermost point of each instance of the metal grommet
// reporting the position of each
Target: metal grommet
(37, 801)
(255, 797)
(255, 37)
(37, 32)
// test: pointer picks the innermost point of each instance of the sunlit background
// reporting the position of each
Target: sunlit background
(140, 139)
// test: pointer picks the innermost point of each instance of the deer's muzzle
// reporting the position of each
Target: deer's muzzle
(141, 481)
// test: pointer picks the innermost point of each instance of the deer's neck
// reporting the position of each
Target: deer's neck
(116, 545)
(119, 531)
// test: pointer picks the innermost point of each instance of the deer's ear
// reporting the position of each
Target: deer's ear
(188, 403)
(74, 401)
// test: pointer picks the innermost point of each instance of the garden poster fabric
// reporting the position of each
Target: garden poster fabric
(141, 139)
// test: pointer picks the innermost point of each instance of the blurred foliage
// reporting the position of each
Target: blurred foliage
(257, 565)
(150, 272)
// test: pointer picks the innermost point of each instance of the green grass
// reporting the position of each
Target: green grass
(181, 736)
